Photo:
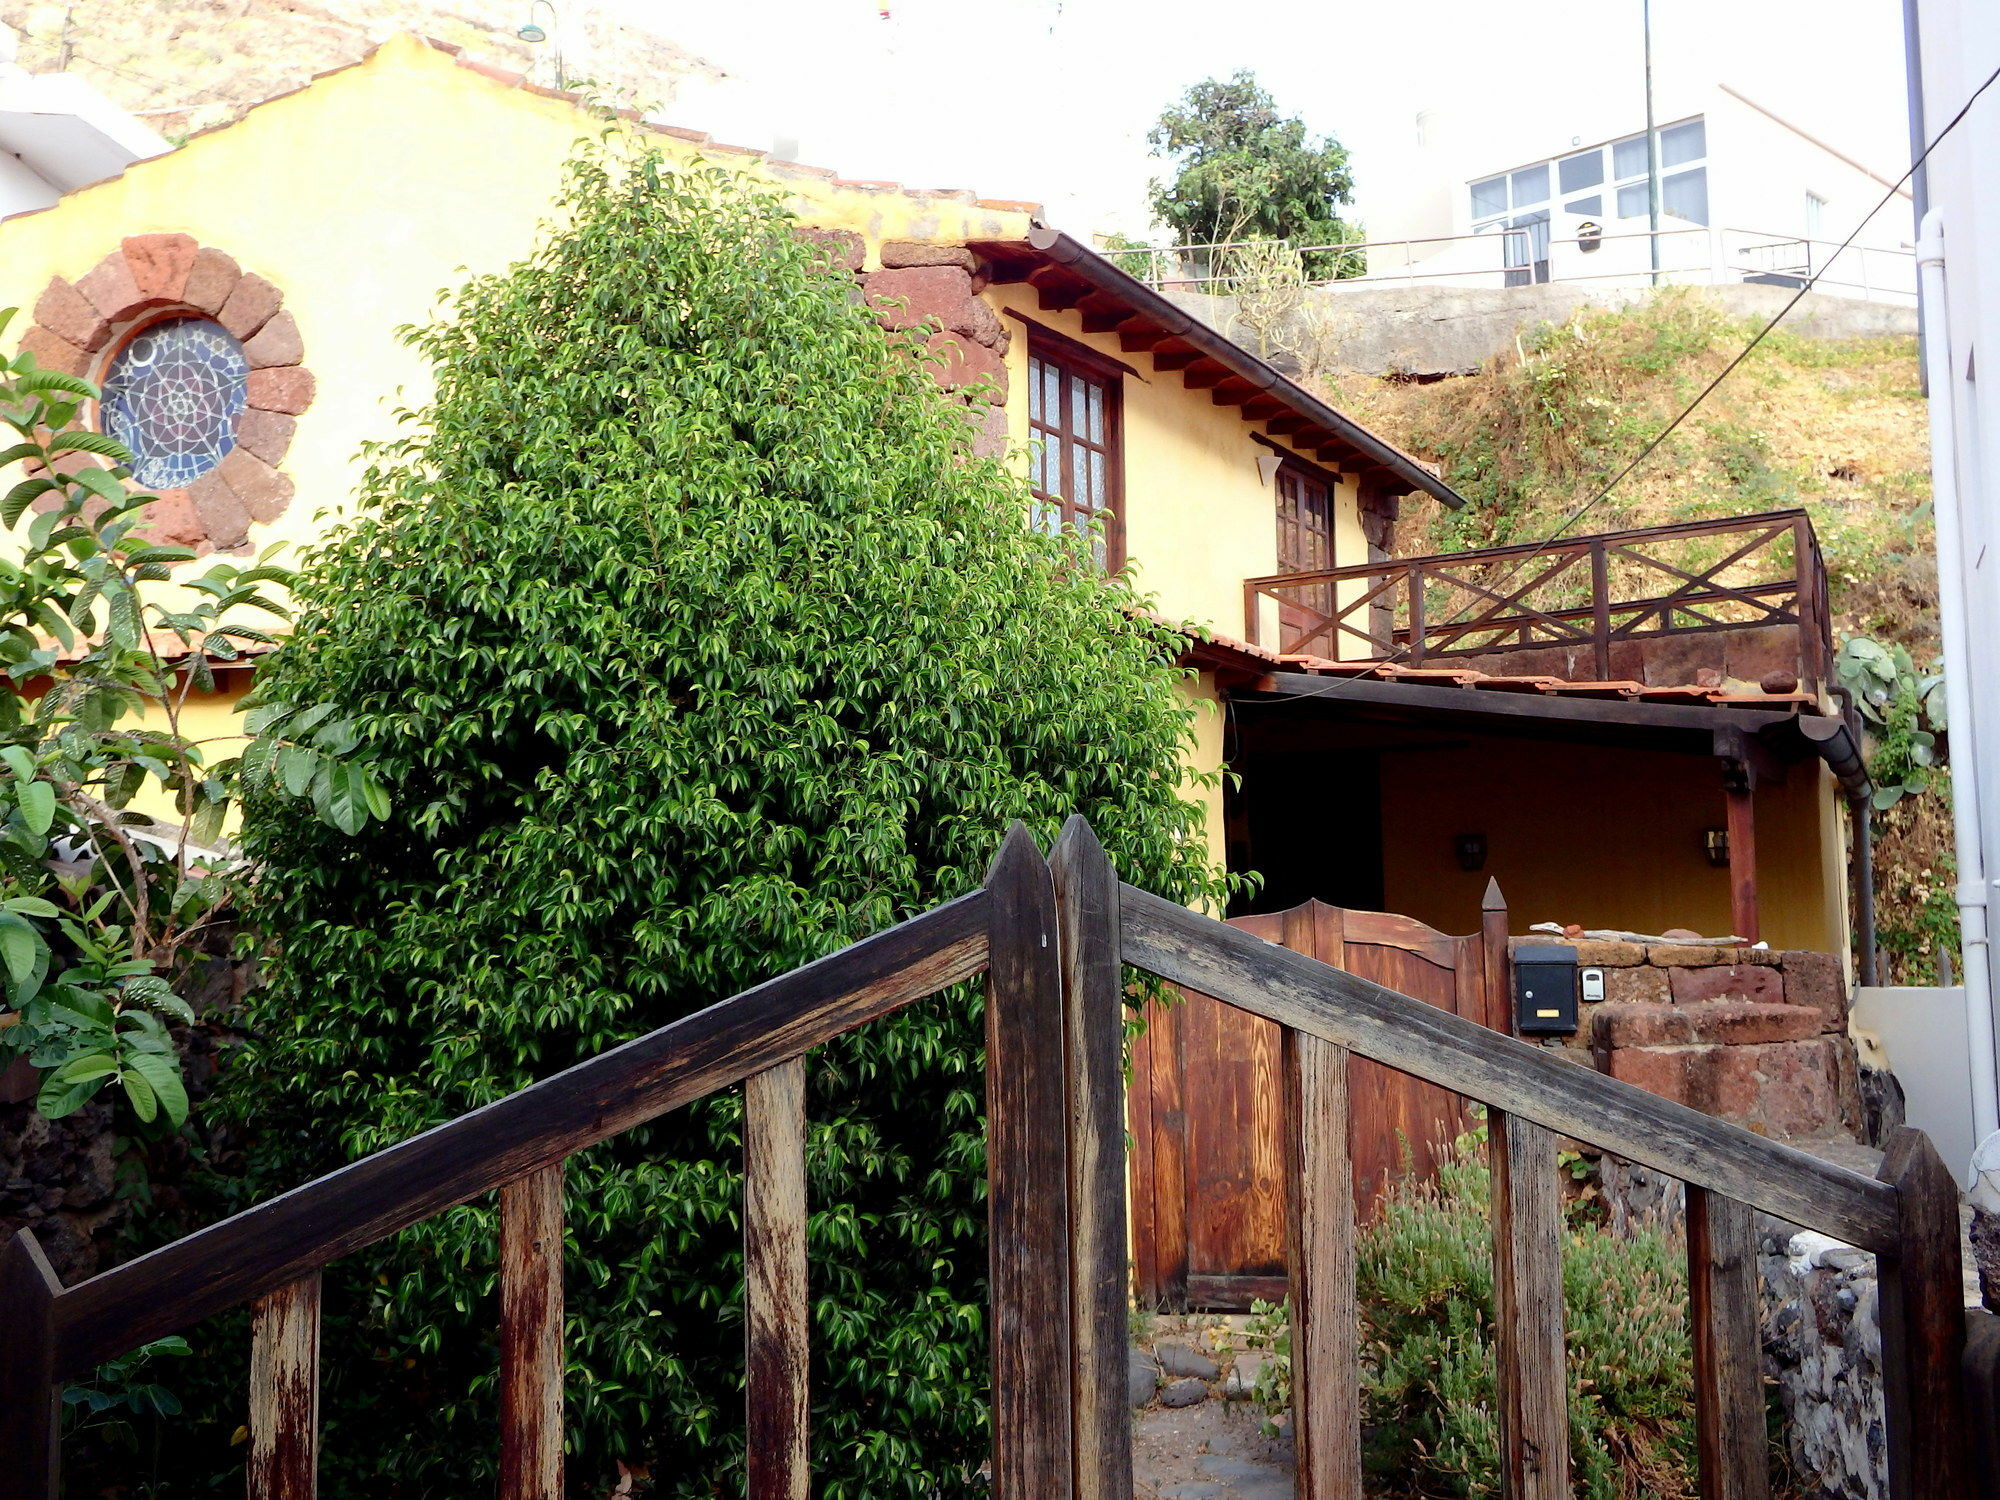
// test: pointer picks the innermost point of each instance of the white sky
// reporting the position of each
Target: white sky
(1049, 100)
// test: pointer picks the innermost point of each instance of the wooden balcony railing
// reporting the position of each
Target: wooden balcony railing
(1587, 594)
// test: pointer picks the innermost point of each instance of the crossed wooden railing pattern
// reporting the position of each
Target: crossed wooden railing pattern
(1587, 591)
(1052, 939)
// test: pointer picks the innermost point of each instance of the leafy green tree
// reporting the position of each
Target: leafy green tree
(1242, 171)
(106, 909)
(693, 642)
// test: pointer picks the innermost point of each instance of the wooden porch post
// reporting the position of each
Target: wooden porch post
(1739, 787)
(29, 1393)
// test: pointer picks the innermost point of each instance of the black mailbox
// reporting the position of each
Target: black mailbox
(1544, 988)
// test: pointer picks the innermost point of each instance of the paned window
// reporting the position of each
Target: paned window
(1073, 425)
(172, 395)
(1520, 199)
(1305, 523)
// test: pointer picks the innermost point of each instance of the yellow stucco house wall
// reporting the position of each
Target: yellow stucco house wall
(351, 204)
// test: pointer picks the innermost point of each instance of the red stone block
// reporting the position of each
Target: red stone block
(263, 490)
(160, 264)
(267, 434)
(210, 281)
(223, 515)
(1669, 1072)
(1731, 982)
(925, 293)
(287, 388)
(54, 353)
(111, 289)
(1714, 1022)
(966, 363)
(251, 305)
(1817, 980)
(71, 316)
(1754, 654)
(276, 343)
(897, 254)
(843, 248)
(172, 520)
(1786, 1088)
(1643, 984)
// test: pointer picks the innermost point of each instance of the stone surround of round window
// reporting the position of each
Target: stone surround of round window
(172, 394)
(202, 372)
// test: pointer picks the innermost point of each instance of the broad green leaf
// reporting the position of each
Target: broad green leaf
(138, 1089)
(56, 1099)
(19, 943)
(296, 768)
(37, 800)
(163, 1073)
(31, 906)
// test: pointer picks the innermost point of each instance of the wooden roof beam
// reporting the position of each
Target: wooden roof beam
(1177, 358)
(1233, 392)
(1057, 288)
(1101, 314)
(1137, 335)
(1204, 374)
(1261, 407)
(1285, 426)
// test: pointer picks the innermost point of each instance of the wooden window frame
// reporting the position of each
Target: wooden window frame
(1071, 357)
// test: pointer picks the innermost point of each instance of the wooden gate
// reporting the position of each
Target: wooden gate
(1207, 1103)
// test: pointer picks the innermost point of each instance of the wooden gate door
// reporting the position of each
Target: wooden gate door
(1206, 1112)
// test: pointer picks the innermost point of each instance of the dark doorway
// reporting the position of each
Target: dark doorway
(1310, 823)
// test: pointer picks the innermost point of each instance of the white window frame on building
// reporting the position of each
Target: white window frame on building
(1602, 183)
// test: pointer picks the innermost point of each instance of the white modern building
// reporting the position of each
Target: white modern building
(58, 133)
(1757, 182)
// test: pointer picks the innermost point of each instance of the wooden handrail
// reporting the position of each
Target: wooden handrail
(1465, 1057)
(1502, 615)
(280, 1241)
(1776, 520)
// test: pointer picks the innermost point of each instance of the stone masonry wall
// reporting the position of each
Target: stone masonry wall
(1753, 1035)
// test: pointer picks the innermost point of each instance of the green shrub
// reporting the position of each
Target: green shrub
(692, 643)
(1426, 1289)
(1425, 1285)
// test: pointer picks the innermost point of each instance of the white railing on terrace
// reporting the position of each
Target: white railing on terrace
(1691, 255)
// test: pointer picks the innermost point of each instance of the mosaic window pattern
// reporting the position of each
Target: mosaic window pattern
(172, 395)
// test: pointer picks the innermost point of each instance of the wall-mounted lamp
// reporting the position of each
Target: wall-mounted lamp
(1471, 850)
(1268, 465)
(531, 32)
(1715, 844)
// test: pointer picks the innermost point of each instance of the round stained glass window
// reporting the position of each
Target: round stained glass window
(172, 395)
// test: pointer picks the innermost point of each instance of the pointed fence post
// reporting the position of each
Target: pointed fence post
(1086, 891)
(1027, 1176)
(1499, 1014)
(29, 1396)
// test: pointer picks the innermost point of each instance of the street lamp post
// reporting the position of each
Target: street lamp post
(1652, 145)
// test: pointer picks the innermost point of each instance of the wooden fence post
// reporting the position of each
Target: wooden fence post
(1326, 1332)
(1493, 955)
(1086, 894)
(1923, 1326)
(1027, 1175)
(284, 1392)
(777, 1315)
(30, 1399)
(1532, 1369)
(531, 1336)
(1728, 1353)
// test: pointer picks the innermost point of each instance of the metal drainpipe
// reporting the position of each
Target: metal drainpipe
(1861, 809)
(1967, 813)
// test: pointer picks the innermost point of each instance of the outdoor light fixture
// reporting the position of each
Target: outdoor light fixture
(1268, 465)
(1471, 850)
(532, 32)
(1715, 844)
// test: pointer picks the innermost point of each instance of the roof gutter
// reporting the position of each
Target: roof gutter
(1087, 264)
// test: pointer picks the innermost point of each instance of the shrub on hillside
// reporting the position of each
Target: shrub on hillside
(692, 642)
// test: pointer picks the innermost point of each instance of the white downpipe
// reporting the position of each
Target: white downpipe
(1952, 612)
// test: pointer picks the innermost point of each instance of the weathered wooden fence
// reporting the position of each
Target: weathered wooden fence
(1051, 939)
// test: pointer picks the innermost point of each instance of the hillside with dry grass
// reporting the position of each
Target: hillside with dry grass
(188, 64)
(1834, 426)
